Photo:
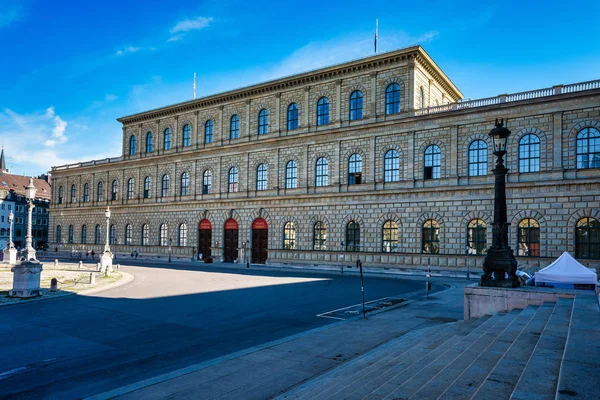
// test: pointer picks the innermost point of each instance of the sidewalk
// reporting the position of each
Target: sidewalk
(268, 370)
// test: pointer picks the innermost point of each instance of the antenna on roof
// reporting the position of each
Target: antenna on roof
(194, 86)
(376, 33)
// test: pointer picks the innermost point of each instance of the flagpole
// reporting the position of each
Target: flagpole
(376, 33)
(194, 86)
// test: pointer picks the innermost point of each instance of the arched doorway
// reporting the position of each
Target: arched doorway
(204, 238)
(230, 242)
(260, 241)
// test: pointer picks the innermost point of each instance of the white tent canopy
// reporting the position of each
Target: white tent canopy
(566, 270)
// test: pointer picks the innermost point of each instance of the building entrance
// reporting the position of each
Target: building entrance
(205, 238)
(230, 242)
(260, 241)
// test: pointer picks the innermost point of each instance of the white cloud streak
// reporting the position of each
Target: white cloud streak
(191, 24)
(127, 50)
(58, 131)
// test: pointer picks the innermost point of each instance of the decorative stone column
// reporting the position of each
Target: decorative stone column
(106, 260)
(26, 275)
(10, 253)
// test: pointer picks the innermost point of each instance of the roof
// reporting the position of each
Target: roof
(566, 269)
(17, 184)
(308, 77)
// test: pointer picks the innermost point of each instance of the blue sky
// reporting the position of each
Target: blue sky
(70, 68)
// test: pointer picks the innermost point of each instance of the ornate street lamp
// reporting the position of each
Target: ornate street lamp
(26, 275)
(500, 261)
(106, 260)
(170, 249)
(10, 253)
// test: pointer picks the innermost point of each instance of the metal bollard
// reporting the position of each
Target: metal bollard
(56, 263)
(80, 264)
(92, 278)
(53, 285)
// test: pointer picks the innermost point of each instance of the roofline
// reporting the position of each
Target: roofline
(287, 82)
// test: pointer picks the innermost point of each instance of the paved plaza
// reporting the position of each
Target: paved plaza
(176, 316)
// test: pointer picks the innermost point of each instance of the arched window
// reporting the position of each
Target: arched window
(322, 172)
(261, 177)
(132, 145)
(422, 93)
(528, 236)
(166, 183)
(73, 193)
(184, 188)
(70, 235)
(587, 238)
(289, 236)
(145, 235)
(114, 195)
(83, 234)
(208, 131)
(113, 234)
(356, 105)
(477, 237)
(323, 111)
(207, 182)
(163, 235)
(391, 166)
(392, 99)
(431, 237)
(149, 142)
(389, 237)
(58, 234)
(147, 187)
(97, 235)
(529, 153)
(167, 139)
(263, 121)
(355, 169)
(234, 127)
(128, 238)
(86, 193)
(100, 192)
(187, 135)
(432, 162)
(61, 191)
(478, 158)
(588, 148)
(291, 175)
(353, 236)
(130, 188)
(182, 236)
(320, 236)
(232, 180)
(292, 117)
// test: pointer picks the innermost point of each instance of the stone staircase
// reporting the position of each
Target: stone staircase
(540, 352)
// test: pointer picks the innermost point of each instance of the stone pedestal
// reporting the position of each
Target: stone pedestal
(10, 256)
(26, 279)
(106, 262)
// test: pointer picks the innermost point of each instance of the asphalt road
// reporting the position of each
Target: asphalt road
(169, 317)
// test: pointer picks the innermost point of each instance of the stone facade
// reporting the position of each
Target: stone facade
(556, 196)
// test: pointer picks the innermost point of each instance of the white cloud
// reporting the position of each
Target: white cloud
(175, 38)
(58, 131)
(341, 50)
(191, 24)
(110, 97)
(35, 142)
(127, 50)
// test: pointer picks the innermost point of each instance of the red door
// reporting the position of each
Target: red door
(260, 241)
(230, 242)
(204, 238)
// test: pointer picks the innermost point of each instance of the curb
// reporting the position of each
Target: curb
(127, 277)
(209, 363)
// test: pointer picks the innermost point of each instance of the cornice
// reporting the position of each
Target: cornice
(282, 84)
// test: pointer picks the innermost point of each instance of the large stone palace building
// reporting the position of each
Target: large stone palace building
(378, 159)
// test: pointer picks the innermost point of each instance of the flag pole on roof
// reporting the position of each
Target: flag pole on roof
(376, 34)
(194, 86)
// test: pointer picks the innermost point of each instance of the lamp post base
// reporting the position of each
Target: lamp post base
(10, 256)
(106, 262)
(499, 268)
(26, 279)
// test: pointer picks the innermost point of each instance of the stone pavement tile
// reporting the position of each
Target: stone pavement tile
(578, 380)
(270, 386)
(316, 365)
